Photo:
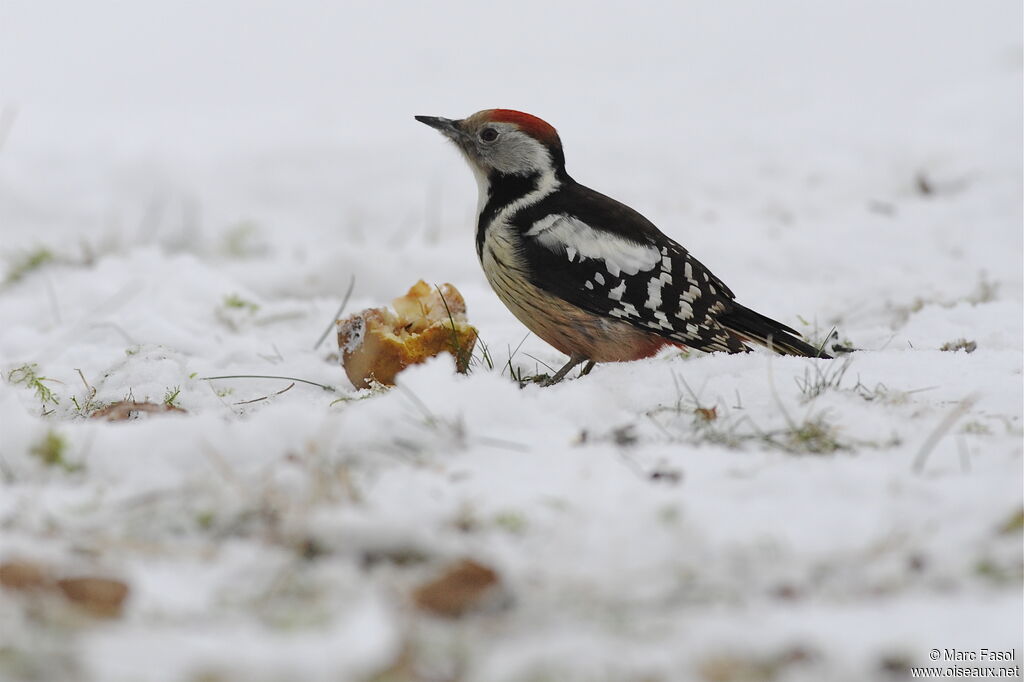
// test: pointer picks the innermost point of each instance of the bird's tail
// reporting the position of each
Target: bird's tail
(755, 327)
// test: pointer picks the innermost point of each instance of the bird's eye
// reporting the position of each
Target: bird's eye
(488, 134)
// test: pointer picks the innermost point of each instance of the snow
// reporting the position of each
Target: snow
(206, 181)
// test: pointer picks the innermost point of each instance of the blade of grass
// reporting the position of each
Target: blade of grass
(329, 389)
(341, 308)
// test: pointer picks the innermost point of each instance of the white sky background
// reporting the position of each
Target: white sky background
(164, 78)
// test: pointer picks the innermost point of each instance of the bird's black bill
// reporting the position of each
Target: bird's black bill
(445, 125)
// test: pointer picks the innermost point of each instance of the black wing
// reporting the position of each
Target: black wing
(606, 258)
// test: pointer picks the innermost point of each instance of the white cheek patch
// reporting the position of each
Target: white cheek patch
(519, 154)
(564, 234)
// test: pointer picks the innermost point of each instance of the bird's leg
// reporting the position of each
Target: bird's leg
(586, 368)
(574, 360)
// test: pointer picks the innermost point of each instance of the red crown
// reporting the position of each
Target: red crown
(538, 128)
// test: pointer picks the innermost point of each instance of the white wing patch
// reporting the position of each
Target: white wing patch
(564, 234)
(654, 286)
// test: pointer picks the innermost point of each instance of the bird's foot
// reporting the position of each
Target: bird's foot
(574, 360)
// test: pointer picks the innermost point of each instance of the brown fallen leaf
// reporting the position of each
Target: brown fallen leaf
(960, 344)
(23, 575)
(99, 596)
(124, 410)
(749, 667)
(708, 414)
(460, 588)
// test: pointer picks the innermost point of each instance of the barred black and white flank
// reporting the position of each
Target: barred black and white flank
(589, 275)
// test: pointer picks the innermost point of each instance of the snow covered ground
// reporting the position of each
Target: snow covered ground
(187, 189)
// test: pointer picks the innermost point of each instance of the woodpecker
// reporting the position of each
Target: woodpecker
(585, 273)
